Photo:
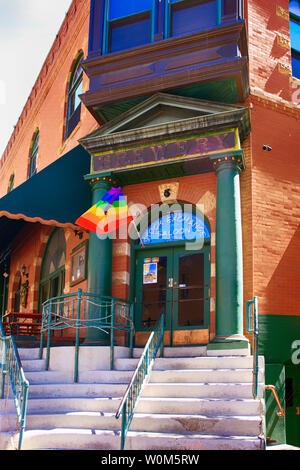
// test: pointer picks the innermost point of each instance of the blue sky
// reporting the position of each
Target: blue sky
(27, 31)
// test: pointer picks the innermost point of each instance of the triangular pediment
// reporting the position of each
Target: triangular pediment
(165, 114)
(162, 108)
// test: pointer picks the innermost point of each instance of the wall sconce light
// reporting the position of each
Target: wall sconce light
(5, 275)
(78, 233)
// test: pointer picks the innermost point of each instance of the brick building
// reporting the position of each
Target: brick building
(186, 103)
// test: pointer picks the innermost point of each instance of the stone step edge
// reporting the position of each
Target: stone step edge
(117, 433)
(140, 415)
(142, 398)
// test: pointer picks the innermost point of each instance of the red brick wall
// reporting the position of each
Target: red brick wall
(270, 52)
(276, 208)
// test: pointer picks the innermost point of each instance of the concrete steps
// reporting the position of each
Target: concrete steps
(190, 402)
(85, 439)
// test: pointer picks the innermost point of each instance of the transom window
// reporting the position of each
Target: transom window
(34, 153)
(295, 36)
(74, 102)
(132, 23)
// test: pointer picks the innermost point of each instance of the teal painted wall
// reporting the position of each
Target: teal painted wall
(277, 333)
(276, 336)
(275, 425)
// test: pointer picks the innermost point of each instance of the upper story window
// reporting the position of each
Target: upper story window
(73, 102)
(295, 36)
(138, 22)
(11, 183)
(34, 153)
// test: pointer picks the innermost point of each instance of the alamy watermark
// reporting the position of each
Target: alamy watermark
(296, 352)
(163, 222)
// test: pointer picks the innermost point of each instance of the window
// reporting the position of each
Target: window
(34, 152)
(11, 183)
(138, 22)
(73, 102)
(295, 36)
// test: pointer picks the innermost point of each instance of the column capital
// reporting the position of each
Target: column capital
(233, 160)
(103, 181)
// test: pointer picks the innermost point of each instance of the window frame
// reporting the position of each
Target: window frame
(72, 88)
(160, 20)
(81, 248)
(295, 53)
(34, 154)
(11, 183)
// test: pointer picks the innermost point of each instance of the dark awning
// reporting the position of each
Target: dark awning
(56, 196)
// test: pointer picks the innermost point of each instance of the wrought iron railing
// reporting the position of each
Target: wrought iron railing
(139, 378)
(10, 364)
(252, 327)
(83, 311)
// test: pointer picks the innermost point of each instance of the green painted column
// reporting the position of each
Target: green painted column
(229, 258)
(99, 268)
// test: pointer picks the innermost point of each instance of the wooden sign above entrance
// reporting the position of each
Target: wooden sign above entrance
(166, 151)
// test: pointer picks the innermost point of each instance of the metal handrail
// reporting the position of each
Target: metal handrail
(274, 391)
(11, 365)
(141, 374)
(252, 327)
(82, 310)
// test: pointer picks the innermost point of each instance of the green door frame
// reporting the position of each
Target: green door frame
(136, 247)
(172, 250)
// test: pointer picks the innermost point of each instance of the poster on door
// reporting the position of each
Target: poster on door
(150, 273)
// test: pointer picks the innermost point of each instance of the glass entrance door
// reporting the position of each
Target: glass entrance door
(175, 282)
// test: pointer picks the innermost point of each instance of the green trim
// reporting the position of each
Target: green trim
(227, 344)
(72, 87)
(229, 254)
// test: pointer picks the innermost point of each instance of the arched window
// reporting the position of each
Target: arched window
(34, 153)
(11, 183)
(53, 266)
(74, 103)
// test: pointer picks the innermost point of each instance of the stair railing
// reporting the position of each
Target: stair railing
(10, 364)
(252, 327)
(81, 311)
(140, 377)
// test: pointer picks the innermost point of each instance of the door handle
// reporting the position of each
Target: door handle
(171, 282)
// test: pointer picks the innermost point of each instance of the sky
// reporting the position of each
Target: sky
(27, 32)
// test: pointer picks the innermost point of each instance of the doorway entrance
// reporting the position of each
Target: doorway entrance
(175, 282)
(172, 275)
